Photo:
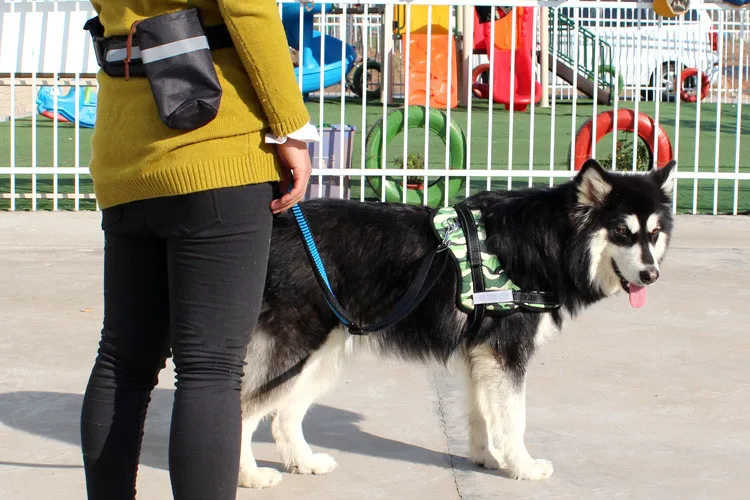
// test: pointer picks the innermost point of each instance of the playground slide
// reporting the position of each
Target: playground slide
(440, 50)
(583, 84)
(442, 47)
(520, 83)
(310, 61)
(66, 111)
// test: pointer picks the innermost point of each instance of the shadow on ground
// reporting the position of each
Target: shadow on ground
(55, 415)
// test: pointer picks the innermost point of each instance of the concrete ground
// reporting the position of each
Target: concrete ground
(650, 403)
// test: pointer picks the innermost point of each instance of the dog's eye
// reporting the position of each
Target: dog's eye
(622, 230)
(654, 235)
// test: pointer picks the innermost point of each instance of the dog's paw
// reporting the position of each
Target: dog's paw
(260, 477)
(319, 463)
(487, 460)
(534, 470)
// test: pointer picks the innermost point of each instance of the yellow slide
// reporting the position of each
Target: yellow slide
(419, 13)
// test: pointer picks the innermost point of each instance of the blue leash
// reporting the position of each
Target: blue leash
(413, 296)
(312, 250)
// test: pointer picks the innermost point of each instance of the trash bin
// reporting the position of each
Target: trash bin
(329, 147)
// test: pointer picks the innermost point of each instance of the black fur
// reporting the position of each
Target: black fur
(371, 253)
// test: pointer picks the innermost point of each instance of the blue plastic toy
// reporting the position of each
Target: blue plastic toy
(87, 98)
(310, 57)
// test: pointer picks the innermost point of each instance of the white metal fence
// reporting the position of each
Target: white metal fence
(570, 63)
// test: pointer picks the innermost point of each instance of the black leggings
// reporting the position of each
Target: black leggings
(184, 273)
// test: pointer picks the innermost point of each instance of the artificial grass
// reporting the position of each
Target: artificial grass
(45, 157)
(544, 153)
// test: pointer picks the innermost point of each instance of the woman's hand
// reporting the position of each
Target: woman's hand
(295, 161)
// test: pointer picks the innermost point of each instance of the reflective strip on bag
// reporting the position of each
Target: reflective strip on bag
(165, 51)
(174, 49)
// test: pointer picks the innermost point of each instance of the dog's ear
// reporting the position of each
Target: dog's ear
(593, 185)
(664, 177)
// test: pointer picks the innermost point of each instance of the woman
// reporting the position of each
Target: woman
(187, 222)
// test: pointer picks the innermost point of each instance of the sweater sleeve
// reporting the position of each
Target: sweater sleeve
(258, 35)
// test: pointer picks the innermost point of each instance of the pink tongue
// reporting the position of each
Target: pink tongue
(637, 295)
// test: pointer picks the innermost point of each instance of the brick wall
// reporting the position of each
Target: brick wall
(24, 103)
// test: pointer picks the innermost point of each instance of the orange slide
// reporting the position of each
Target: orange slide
(441, 47)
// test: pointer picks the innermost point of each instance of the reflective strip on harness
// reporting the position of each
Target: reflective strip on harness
(492, 297)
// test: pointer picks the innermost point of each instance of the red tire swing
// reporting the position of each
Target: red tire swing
(688, 73)
(626, 120)
(480, 90)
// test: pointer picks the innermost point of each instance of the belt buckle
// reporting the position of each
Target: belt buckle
(100, 50)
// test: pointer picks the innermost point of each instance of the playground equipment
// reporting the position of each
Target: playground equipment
(435, 121)
(519, 84)
(311, 61)
(442, 46)
(671, 8)
(692, 73)
(574, 47)
(374, 89)
(626, 121)
(66, 111)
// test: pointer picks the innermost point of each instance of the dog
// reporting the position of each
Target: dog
(598, 234)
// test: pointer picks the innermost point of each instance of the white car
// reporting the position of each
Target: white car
(650, 52)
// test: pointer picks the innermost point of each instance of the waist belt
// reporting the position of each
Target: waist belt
(112, 52)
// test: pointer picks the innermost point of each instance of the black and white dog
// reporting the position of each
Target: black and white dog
(596, 235)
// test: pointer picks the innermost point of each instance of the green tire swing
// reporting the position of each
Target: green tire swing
(437, 122)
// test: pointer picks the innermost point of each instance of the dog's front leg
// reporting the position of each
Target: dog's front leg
(481, 447)
(290, 440)
(252, 476)
(480, 440)
(499, 398)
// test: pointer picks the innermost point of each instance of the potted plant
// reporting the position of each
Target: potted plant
(414, 161)
(624, 154)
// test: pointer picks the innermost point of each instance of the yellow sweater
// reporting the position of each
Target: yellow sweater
(136, 156)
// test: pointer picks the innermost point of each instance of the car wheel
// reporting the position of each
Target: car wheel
(668, 78)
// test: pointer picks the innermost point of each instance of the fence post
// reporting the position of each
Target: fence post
(388, 54)
(467, 52)
(544, 55)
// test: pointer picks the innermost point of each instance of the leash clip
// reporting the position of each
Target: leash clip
(452, 228)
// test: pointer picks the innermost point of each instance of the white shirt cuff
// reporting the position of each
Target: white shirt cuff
(308, 133)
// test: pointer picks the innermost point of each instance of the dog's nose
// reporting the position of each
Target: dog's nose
(649, 275)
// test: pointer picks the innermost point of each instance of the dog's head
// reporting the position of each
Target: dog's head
(629, 219)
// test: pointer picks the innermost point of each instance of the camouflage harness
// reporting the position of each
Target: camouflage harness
(483, 284)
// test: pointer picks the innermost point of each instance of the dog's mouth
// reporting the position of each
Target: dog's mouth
(636, 293)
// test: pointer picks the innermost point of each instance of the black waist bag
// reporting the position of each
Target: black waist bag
(177, 59)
